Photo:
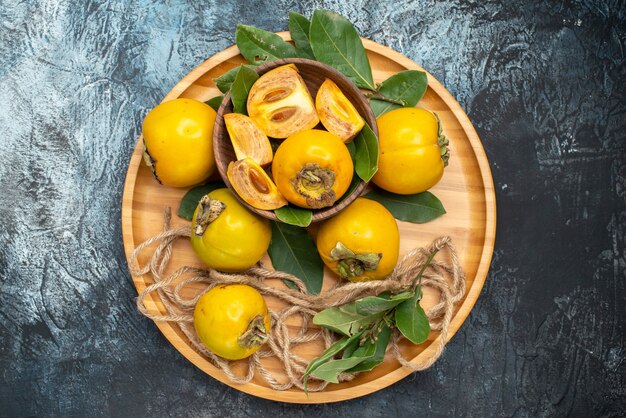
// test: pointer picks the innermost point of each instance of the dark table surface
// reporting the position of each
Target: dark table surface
(544, 85)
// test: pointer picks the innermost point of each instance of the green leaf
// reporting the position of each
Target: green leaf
(355, 358)
(335, 42)
(345, 319)
(329, 353)
(330, 370)
(215, 102)
(366, 153)
(299, 29)
(351, 149)
(190, 200)
(294, 216)
(259, 46)
(418, 291)
(292, 250)
(352, 346)
(224, 81)
(416, 208)
(356, 180)
(375, 352)
(412, 321)
(244, 80)
(375, 304)
(407, 86)
(379, 106)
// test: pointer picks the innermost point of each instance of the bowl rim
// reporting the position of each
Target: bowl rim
(219, 131)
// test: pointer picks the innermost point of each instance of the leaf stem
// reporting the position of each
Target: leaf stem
(372, 332)
(378, 96)
(417, 282)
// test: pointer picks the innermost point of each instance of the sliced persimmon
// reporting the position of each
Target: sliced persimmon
(248, 140)
(253, 185)
(336, 112)
(280, 103)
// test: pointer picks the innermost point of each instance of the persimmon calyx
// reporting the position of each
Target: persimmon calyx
(351, 264)
(255, 335)
(443, 142)
(209, 210)
(316, 185)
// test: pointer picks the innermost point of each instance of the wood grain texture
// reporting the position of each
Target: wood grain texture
(466, 192)
(313, 73)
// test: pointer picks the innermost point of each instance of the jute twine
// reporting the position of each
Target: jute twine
(447, 278)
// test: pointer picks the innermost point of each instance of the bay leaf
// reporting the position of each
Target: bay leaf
(351, 149)
(240, 88)
(416, 208)
(380, 106)
(224, 81)
(294, 216)
(352, 346)
(329, 353)
(374, 352)
(366, 153)
(259, 46)
(190, 200)
(345, 319)
(336, 42)
(330, 370)
(292, 250)
(406, 86)
(375, 304)
(215, 102)
(299, 29)
(411, 320)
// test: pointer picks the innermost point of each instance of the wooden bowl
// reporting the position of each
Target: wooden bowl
(313, 73)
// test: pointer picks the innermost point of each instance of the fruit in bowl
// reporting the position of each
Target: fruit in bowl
(310, 112)
(312, 169)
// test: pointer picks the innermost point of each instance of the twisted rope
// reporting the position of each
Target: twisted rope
(447, 278)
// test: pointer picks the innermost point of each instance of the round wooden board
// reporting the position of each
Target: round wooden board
(466, 192)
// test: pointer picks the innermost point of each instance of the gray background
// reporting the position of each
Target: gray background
(544, 85)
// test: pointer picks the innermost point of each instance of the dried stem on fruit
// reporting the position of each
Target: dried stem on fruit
(208, 211)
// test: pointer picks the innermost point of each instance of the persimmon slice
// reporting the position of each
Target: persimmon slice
(280, 104)
(337, 113)
(253, 185)
(247, 139)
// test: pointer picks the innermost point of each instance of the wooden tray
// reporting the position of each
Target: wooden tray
(466, 191)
